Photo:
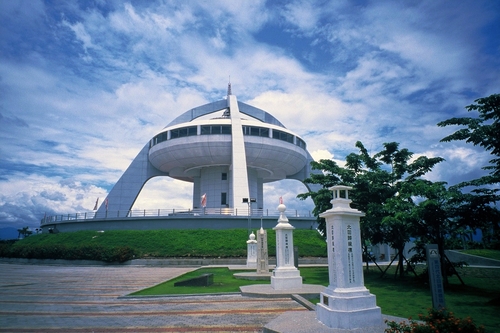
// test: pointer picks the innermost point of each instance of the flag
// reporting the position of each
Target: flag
(106, 203)
(204, 200)
(96, 203)
(281, 200)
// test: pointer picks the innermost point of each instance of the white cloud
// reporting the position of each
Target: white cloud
(303, 14)
(376, 72)
(218, 41)
(148, 24)
(81, 34)
(322, 154)
(288, 189)
(158, 193)
(243, 16)
(24, 197)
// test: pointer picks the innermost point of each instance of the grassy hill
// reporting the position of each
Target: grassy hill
(122, 245)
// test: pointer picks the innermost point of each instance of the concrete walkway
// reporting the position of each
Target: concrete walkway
(43, 298)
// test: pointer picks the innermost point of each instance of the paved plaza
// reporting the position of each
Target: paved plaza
(44, 298)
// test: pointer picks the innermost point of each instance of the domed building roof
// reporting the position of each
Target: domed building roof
(190, 143)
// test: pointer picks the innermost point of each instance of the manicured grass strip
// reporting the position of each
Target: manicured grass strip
(224, 282)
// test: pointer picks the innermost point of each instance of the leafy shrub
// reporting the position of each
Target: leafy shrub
(122, 245)
(67, 252)
(6, 247)
(437, 321)
(495, 245)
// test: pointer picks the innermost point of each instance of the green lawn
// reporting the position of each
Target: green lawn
(492, 254)
(224, 282)
(407, 297)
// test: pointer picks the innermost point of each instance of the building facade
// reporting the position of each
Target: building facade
(227, 149)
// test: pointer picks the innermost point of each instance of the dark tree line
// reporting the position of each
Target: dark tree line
(401, 205)
(25, 232)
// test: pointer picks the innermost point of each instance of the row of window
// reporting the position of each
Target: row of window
(256, 131)
(283, 136)
(215, 129)
(182, 132)
(226, 129)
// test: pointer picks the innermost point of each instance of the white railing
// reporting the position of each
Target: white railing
(174, 213)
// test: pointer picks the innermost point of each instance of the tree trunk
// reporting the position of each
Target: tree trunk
(401, 264)
(366, 256)
(442, 259)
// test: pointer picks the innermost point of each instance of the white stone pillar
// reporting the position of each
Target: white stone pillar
(285, 275)
(262, 256)
(252, 251)
(345, 303)
(239, 172)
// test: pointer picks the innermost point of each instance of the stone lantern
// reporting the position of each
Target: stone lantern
(345, 303)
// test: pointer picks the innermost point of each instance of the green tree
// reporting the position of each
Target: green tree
(483, 130)
(332, 174)
(401, 210)
(25, 232)
(397, 225)
(437, 218)
(477, 210)
(377, 181)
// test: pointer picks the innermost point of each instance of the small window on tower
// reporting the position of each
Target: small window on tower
(224, 176)
(223, 198)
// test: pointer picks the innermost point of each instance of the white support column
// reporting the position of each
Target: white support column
(239, 171)
(345, 303)
(197, 193)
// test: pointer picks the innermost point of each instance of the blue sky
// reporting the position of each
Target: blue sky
(85, 84)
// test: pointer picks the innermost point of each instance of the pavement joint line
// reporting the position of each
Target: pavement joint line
(146, 313)
(177, 295)
(175, 329)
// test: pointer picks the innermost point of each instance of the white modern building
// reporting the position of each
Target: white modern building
(227, 149)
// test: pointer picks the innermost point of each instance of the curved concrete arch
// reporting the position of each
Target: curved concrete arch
(305, 173)
(122, 196)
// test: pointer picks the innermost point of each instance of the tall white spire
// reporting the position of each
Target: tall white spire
(229, 87)
(238, 168)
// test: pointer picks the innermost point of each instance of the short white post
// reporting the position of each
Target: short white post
(262, 256)
(285, 275)
(252, 251)
(345, 303)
